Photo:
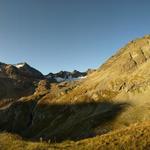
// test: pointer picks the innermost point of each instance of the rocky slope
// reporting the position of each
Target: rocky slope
(17, 81)
(114, 96)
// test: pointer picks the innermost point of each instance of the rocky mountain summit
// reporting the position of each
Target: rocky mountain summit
(23, 70)
(66, 76)
(111, 97)
(19, 70)
(16, 82)
(29, 71)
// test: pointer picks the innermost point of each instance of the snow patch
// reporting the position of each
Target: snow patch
(19, 65)
(70, 78)
(75, 79)
(59, 79)
(49, 76)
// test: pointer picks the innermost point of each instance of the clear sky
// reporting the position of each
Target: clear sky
(54, 35)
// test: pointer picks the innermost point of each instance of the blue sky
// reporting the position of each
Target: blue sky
(54, 35)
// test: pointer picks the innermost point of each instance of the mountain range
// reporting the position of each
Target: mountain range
(82, 107)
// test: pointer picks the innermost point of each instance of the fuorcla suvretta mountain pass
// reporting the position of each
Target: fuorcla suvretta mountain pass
(74, 75)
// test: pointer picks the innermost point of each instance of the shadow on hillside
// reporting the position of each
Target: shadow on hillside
(58, 122)
(11, 90)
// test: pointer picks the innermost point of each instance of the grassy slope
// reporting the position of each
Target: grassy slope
(134, 137)
(14, 142)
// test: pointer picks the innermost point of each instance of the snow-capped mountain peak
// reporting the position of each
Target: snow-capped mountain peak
(66, 76)
(20, 65)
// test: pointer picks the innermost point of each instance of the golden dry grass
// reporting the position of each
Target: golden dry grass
(135, 137)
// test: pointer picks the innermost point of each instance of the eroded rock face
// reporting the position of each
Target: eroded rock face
(43, 87)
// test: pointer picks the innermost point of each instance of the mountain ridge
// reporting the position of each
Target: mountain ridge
(114, 96)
